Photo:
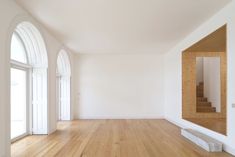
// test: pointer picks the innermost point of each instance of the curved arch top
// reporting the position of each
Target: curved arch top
(63, 64)
(34, 44)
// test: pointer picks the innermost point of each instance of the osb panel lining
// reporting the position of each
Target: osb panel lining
(189, 84)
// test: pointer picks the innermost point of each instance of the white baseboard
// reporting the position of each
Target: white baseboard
(52, 131)
(174, 122)
(120, 117)
(229, 150)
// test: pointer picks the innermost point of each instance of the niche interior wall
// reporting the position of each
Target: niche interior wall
(213, 45)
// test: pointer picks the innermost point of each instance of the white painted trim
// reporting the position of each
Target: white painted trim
(19, 137)
(19, 64)
(52, 131)
(174, 122)
(120, 117)
(28, 98)
(228, 149)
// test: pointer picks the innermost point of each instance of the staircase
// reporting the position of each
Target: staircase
(202, 104)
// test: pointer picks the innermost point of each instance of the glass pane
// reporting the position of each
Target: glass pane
(18, 103)
(18, 52)
(64, 96)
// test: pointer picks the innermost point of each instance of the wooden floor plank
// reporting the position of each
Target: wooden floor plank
(111, 138)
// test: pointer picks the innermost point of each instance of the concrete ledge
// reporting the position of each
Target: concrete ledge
(205, 142)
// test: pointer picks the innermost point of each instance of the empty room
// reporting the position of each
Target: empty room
(117, 78)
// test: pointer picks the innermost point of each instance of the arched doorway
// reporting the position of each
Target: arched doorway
(63, 86)
(28, 82)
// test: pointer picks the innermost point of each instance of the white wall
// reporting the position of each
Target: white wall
(119, 86)
(211, 66)
(10, 15)
(173, 76)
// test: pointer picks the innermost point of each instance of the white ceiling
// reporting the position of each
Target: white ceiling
(121, 26)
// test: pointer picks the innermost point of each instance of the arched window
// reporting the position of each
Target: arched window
(19, 74)
(63, 86)
(18, 52)
(28, 82)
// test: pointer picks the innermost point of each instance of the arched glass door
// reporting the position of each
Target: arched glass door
(19, 88)
(29, 110)
(63, 86)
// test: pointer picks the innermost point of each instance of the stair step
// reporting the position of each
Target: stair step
(205, 104)
(199, 94)
(200, 90)
(201, 83)
(206, 109)
(201, 99)
(204, 141)
(199, 87)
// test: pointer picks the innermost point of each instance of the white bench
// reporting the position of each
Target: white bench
(204, 141)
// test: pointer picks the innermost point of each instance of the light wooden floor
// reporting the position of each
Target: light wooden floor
(112, 138)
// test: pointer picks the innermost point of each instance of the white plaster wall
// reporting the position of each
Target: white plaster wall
(116, 86)
(10, 15)
(6, 18)
(211, 70)
(173, 76)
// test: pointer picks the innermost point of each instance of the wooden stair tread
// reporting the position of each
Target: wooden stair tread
(201, 98)
(201, 106)
(203, 103)
(204, 109)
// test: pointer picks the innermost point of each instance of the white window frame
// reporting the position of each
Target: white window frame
(27, 68)
(28, 100)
